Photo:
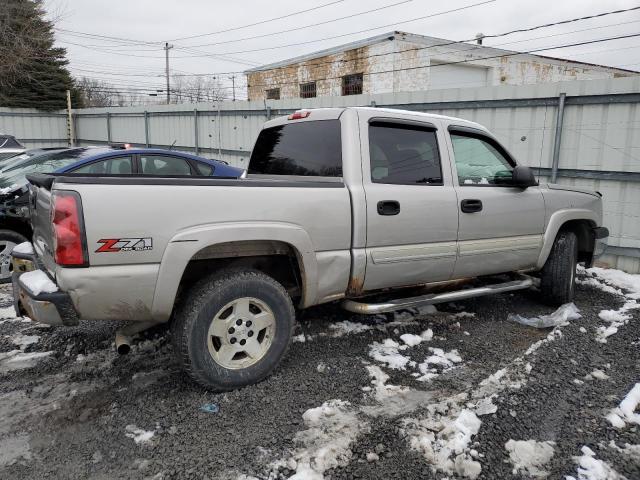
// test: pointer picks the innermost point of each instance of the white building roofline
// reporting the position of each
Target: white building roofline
(415, 38)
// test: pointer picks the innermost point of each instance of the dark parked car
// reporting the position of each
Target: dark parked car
(9, 147)
(100, 161)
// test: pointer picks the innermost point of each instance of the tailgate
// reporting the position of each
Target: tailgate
(40, 212)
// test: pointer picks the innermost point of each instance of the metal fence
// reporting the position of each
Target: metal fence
(582, 133)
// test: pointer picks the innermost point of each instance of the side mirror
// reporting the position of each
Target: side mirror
(523, 177)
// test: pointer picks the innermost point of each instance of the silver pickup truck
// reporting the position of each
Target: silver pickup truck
(338, 204)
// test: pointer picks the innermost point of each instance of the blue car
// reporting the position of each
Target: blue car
(142, 161)
(15, 227)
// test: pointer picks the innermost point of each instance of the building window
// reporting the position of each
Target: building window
(308, 90)
(352, 84)
(273, 94)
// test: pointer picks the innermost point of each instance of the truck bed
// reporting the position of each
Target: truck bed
(316, 223)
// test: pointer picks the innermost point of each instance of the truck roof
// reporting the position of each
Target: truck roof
(335, 112)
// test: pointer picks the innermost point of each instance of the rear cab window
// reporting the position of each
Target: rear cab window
(312, 148)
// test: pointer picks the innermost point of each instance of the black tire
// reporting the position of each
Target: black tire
(558, 276)
(204, 301)
(8, 237)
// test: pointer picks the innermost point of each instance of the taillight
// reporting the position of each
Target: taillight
(68, 230)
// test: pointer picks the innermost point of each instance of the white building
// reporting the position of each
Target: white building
(403, 62)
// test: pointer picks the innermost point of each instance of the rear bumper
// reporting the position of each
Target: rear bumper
(50, 308)
(601, 235)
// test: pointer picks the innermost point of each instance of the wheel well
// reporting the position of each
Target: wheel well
(277, 259)
(18, 226)
(586, 240)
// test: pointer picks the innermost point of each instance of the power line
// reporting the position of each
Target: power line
(325, 22)
(520, 30)
(565, 33)
(108, 37)
(509, 54)
(261, 22)
(459, 42)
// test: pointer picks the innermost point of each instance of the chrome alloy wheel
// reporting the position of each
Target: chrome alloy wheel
(241, 333)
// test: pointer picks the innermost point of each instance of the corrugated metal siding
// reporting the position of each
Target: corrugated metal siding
(34, 128)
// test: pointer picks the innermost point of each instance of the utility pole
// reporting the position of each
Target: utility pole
(167, 47)
(233, 86)
(70, 130)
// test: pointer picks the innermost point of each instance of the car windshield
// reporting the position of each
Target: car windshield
(15, 172)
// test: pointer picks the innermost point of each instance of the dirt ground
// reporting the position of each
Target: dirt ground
(462, 392)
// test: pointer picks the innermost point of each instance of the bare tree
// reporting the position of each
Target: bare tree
(198, 88)
(96, 93)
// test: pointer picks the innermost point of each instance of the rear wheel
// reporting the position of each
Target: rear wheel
(233, 329)
(558, 276)
(8, 240)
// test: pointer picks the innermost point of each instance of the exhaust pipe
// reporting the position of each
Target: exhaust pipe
(123, 343)
(124, 336)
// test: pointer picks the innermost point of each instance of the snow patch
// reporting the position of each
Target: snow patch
(444, 441)
(18, 360)
(326, 443)
(23, 341)
(347, 327)
(529, 456)
(616, 319)
(412, 340)
(625, 412)
(138, 435)
(25, 248)
(437, 363)
(590, 468)
(38, 282)
(388, 353)
(393, 400)
(560, 317)
(299, 338)
(597, 374)
(619, 279)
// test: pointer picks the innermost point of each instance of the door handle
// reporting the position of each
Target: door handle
(471, 205)
(388, 207)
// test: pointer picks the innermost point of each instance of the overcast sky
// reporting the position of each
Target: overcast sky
(141, 66)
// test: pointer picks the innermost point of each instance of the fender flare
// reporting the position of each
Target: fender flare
(555, 223)
(185, 244)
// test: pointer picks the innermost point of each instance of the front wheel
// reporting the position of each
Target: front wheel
(8, 240)
(558, 276)
(233, 329)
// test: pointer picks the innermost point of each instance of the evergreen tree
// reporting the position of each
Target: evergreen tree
(33, 71)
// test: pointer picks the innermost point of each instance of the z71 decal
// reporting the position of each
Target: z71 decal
(114, 245)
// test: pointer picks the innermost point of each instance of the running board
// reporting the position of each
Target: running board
(432, 298)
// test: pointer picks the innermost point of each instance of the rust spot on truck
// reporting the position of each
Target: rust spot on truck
(355, 286)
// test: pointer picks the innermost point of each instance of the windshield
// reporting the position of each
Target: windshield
(15, 172)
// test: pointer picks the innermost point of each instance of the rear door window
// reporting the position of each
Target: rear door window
(164, 165)
(204, 168)
(305, 148)
(404, 154)
(109, 166)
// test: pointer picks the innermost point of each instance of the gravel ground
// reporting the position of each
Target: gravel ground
(475, 396)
